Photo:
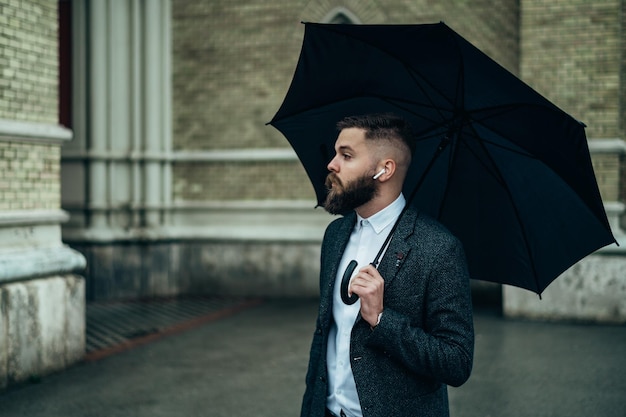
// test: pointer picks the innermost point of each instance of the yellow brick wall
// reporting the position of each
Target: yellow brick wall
(232, 180)
(607, 169)
(572, 52)
(29, 60)
(30, 170)
(29, 176)
(232, 65)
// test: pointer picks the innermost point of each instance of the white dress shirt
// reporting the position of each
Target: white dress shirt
(365, 241)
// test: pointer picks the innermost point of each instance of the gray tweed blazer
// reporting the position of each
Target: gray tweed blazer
(425, 339)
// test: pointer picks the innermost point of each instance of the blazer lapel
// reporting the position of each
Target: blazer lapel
(336, 243)
(399, 247)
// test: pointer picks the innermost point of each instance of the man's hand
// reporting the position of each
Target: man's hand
(369, 285)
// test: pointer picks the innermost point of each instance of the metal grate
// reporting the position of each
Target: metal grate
(113, 324)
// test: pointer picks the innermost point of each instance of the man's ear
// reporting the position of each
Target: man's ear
(389, 167)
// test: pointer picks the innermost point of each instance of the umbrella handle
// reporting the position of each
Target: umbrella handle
(345, 283)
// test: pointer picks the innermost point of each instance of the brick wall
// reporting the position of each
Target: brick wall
(29, 176)
(233, 62)
(572, 52)
(28, 60)
(608, 175)
(29, 171)
(230, 181)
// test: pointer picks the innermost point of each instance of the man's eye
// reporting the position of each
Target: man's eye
(346, 156)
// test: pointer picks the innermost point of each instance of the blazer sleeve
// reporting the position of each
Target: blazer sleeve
(438, 343)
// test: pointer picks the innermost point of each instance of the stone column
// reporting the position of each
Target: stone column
(42, 314)
(97, 179)
(122, 115)
(42, 300)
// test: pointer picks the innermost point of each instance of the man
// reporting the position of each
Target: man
(410, 334)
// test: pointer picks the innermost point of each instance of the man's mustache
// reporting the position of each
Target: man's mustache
(331, 179)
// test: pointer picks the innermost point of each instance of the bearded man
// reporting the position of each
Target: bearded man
(410, 333)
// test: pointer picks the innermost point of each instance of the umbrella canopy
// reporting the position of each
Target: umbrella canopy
(504, 169)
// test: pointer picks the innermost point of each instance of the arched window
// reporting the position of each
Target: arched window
(341, 15)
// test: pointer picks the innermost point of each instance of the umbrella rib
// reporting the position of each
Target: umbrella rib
(399, 59)
(509, 149)
(493, 170)
(509, 107)
(414, 75)
(517, 214)
(451, 158)
(457, 122)
(392, 100)
(471, 118)
(396, 102)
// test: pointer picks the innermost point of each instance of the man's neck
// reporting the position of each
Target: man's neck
(375, 205)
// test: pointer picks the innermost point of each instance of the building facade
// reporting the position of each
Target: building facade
(175, 184)
(134, 149)
(42, 299)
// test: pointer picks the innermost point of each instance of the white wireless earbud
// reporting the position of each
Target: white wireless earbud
(382, 171)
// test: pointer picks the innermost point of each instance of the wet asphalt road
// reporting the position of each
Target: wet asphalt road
(252, 364)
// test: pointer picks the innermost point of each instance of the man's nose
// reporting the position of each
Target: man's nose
(332, 165)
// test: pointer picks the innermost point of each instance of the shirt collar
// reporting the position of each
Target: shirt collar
(386, 216)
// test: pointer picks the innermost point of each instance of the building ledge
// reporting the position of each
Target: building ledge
(11, 131)
(24, 264)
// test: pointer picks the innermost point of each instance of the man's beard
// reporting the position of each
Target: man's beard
(341, 199)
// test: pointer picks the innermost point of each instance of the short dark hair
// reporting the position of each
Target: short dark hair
(381, 125)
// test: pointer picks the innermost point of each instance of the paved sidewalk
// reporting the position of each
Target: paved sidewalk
(252, 364)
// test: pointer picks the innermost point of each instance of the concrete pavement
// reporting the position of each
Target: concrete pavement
(253, 363)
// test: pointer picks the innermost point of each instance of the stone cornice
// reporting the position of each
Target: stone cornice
(207, 156)
(607, 146)
(12, 131)
(32, 217)
(17, 265)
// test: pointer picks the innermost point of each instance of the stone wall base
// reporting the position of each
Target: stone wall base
(593, 290)
(131, 270)
(42, 327)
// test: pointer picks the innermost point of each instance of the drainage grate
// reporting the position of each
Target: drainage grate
(112, 324)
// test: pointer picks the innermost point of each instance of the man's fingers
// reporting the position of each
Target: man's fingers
(363, 280)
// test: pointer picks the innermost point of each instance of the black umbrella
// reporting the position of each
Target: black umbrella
(503, 168)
